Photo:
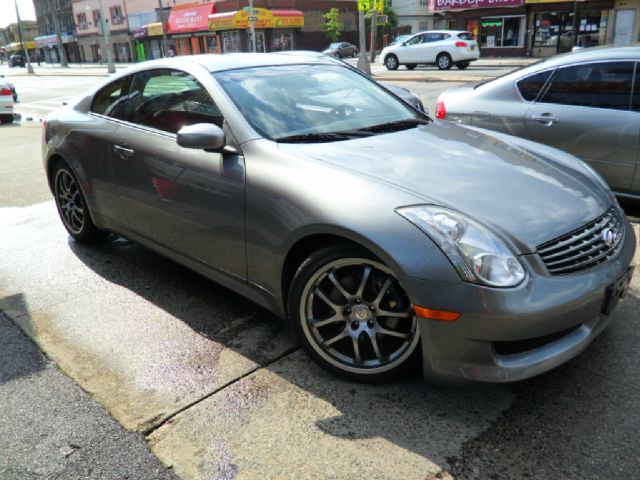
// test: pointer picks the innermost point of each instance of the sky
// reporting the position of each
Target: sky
(8, 11)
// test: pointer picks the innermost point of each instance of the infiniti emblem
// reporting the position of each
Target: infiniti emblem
(609, 236)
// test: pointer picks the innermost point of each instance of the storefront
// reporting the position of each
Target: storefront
(188, 26)
(48, 48)
(552, 25)
(147, 42)
(275, 29)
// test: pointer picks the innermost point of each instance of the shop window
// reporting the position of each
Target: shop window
(600, 85)
(555, 29)
(281, 42)
(498, 32)
(530, 87)
(423, 25)
(82, 21)
(231, 42)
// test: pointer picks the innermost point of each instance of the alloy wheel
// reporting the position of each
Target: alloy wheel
(357, 317)
(69, 200)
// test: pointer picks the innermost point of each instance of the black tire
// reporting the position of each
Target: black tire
(6, 118)
(72, 206)
(391, 62)
(410, 66)
(443, 61)
(462, 65)
(366, 351)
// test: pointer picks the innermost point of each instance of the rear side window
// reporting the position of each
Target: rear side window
(436, 37)
(531, 86)
(635, 102)
(600, 85)
(465, 36)
(110, 100)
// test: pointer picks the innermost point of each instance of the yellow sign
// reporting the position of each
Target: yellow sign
(379, 5)
(262, 18)
(364, 5)
(154, 29)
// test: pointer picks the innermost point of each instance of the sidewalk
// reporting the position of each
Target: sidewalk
(479, 70)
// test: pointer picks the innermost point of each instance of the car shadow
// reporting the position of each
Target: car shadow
(428, 420)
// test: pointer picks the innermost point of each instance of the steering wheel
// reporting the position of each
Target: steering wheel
(342, 111)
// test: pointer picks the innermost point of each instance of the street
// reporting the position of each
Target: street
(216, 387)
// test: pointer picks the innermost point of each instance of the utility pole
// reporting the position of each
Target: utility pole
(111, 68)
(374, 31)
(252, 27)
(22, 42)
(363, 61)
(574, 29)
(56, 25)
(165, 52)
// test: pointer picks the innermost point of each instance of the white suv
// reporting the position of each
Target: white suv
(443, 48)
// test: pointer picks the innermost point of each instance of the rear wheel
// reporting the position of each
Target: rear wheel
(391, 62)
(72, 206)
(352, 315)
(462, 65)
(410, 66)
(354, 54)
(443, 61)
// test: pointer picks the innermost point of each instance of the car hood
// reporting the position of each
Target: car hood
(527, 196)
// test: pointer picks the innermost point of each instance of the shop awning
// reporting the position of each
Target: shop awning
(440, 5)
(190, 17)
(148, 30)
(45, 41)
(17, 46)
(263, 18)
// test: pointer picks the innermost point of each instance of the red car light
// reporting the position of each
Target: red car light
(441, 111)
(6, 91)
(461, 44)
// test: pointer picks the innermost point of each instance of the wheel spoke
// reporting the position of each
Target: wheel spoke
(326, 321)
(340, 288)
(326, 300)
(356, 350)
(387, 313)
(376, 348)
(340, 336)
(363, 282)
(392, 333)
(382, 291)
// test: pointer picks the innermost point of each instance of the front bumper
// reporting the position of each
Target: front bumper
(531, 314)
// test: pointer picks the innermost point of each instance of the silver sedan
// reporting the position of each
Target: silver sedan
(384, 236)
(583, 102)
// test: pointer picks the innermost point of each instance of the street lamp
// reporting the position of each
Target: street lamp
(22, 42)
(111, 68)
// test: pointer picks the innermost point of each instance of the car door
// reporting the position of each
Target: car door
(410, 51)
(586, 110)
(434, 44)
(188, 201)
(635, 107)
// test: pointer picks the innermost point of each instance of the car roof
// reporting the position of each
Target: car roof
(631, 52)
(452, 32)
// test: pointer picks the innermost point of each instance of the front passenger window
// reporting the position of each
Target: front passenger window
(168, 100)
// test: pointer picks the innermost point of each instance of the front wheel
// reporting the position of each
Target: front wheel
(72, 206)
(391, 62)
(352, 315)
(443, 61)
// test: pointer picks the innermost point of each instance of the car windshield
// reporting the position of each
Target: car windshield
(399, 39)
(335, 45)
(314, 100)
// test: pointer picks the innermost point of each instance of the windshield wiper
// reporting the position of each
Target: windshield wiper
(324, 137)
(397, 125)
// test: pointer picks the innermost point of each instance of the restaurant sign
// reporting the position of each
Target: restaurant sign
(262, 18)
(439, 5)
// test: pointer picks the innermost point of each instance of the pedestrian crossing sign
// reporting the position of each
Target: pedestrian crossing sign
(379, 4)
(364, 5)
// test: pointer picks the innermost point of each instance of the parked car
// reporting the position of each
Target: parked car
(443, 48)
(381, 234)
(582, 102)
(6, 102)
(11, 86)
(16, 60)
(341, 50)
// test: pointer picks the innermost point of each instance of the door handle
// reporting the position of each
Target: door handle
(123, 152)
(545, 118)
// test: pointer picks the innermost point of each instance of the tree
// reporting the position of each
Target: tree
(333, 26)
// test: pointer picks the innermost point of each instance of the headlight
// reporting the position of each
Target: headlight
(476, 253)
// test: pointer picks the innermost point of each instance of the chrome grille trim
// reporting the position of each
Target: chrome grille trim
(585, 247)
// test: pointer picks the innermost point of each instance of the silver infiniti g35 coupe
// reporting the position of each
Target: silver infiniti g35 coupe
(384, 236)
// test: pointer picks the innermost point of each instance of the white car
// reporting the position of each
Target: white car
(443, 48)
(6, 102)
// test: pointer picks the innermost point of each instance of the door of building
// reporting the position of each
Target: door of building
(623, 31)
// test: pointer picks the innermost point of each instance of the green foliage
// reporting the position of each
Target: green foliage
(333, 26)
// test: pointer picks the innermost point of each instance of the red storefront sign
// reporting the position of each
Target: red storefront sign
(440, 5)
(190, 17)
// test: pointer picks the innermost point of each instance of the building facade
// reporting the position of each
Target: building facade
(413, 16)
(55, 17)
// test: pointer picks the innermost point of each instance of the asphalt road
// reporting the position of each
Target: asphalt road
(220, 390)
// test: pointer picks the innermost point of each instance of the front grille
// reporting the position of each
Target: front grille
(585, 247)
(522, 346)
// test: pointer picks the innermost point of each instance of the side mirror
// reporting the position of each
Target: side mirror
(202, 136)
